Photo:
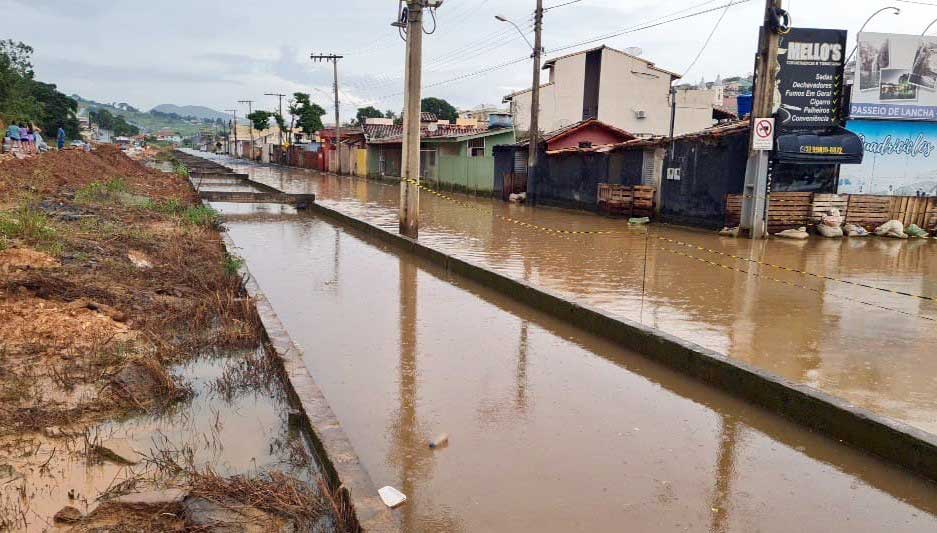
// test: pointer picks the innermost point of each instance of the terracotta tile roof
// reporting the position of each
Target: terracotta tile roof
(714, 132)
(381, 134)
(428, 117)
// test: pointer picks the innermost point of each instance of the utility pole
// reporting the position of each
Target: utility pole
(250, 111)
(280, 112)
(534, 142)
(234, 128)
(755, 193)
(410, 156)
(338, 125)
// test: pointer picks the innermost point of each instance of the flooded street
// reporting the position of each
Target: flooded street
(871, 347)
(551, 428)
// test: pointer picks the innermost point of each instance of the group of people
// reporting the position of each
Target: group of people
(27, 138)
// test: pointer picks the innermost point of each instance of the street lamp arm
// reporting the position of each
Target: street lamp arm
(895, 10)
(518, 28)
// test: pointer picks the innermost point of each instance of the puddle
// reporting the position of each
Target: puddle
(235, 423)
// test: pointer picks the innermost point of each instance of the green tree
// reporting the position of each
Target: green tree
(260, 119)
(22, 98)
(439, 107)
(308, 113)
(364, 113)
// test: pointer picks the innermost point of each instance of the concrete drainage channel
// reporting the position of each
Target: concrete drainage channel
(896, 442)
(341, 465)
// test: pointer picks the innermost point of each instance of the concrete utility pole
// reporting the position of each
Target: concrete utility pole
(338, 125)
(280, 112)
(250, 110)
(755, 193)
(410, 157)
(234, 128)
(532, 156)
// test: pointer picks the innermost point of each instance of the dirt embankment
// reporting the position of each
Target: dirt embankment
(110, 273)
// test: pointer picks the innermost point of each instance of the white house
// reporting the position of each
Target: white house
(617, 88)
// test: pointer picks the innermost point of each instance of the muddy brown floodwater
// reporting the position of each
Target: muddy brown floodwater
(551, 428)
(873, 348)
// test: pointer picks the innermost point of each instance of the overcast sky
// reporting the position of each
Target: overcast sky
(213, 52)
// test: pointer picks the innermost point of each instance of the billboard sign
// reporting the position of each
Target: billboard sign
(896, 77)
(900, 159)
(810, 79)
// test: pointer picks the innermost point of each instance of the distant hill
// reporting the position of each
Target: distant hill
(180, 119)
(197, 111)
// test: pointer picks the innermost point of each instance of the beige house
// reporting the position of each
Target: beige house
(615, 87)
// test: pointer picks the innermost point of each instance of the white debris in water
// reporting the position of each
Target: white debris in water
(391, 496)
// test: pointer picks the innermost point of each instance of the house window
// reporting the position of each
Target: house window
(476, 148)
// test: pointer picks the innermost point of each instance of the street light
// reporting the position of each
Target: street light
(895, 10)
(928, 27)
(505, 19)
(533, 141)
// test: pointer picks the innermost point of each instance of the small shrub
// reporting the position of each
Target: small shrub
(232, 265)
(167, 207)
(26, 223)
(101, 192)
(202, 216)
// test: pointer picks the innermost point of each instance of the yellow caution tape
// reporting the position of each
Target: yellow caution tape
(673, 241)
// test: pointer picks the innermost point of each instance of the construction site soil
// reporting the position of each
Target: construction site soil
(112, 275)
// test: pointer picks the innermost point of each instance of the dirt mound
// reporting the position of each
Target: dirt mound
(67, 171)
(65, 328)
(25, 258)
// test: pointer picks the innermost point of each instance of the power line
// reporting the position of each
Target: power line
(706, 43)
(561, 5)
(916, 2)
(634, 29)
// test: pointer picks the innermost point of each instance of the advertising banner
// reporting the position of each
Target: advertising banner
(900, 159)
(810, 79)
(896, 77)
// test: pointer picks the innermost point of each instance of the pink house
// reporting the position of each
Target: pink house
(585, 134)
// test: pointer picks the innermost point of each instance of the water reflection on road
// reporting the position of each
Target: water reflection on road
(552, 429)
(831, 335)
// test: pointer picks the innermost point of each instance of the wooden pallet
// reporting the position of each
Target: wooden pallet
(788, 210)
(823, 203)
(930, 218)
(643, 201)
(868, 211)
(911, 209)
(733, 210)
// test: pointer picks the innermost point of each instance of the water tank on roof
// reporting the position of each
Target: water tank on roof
(499, 120)
(744, 102)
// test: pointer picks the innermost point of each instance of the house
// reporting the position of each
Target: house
(167, 135)
(618, 88)
(452, 156)
(511, 161)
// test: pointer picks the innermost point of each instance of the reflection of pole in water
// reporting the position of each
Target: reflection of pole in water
(647, 238)
(335, 257)
(521, 374)
(725, 470)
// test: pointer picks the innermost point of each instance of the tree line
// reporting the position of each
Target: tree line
(25, 99)
(437, 106)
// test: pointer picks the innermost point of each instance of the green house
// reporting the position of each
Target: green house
(451, 157)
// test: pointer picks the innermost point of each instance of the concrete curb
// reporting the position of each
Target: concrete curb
(334, 451)
(894, 441)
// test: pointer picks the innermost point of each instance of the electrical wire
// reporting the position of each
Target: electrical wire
(562, 5)
(653, 23)
(706, 43)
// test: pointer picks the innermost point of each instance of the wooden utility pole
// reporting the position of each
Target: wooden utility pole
(279, 112)
(338, 125)
(410, 156)
(755, 193)
(534, 134)
(250, 123)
